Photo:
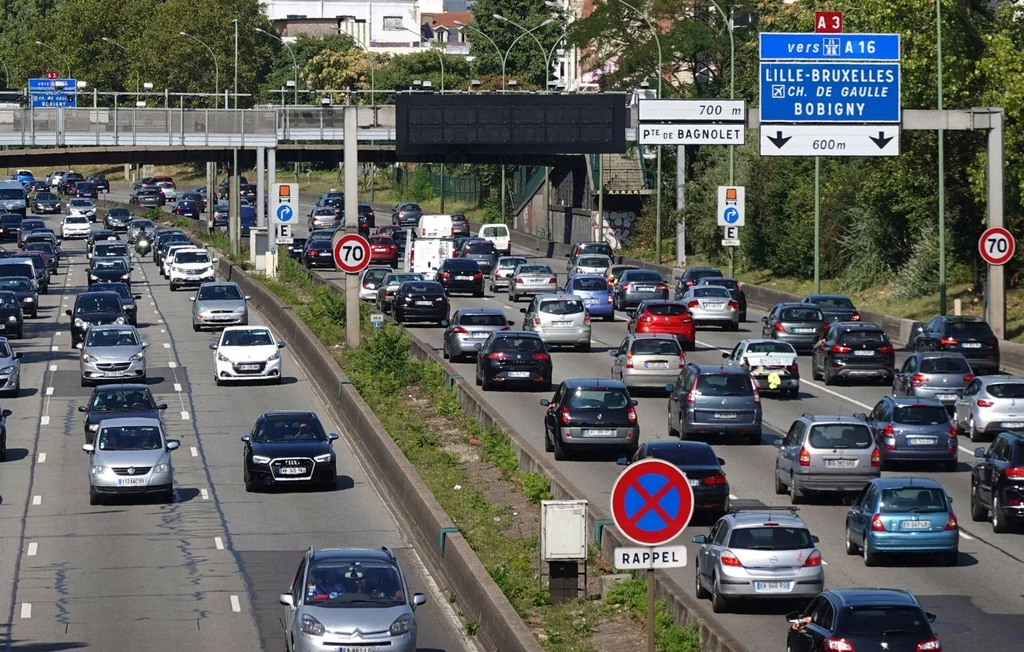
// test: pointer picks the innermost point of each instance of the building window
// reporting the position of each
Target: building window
(393, 23)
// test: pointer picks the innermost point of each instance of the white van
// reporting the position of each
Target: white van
(429, 253)
(435, 226)
(498, 234)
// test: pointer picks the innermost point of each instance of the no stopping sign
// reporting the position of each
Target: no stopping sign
(996, 246)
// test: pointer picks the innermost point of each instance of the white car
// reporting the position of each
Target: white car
(170, 192)
(190, 266)
(75, 226)
(82, 207)
(165, 265)
(247, 353)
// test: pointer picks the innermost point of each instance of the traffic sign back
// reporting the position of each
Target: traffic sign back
(652, 502)
(996, 246)
(351, 253)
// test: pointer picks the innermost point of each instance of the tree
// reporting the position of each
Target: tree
(401, 70)
(303, 48)
(338, 70)
(525, 61)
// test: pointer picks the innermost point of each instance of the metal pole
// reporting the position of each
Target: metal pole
(261, 215)
(234, 223)
(235, 21)
(942, 168)
(996, 273)
(600, 197)
(351, 151)
(817, 224)
(650, 611)
(211, 193)
(681, 205)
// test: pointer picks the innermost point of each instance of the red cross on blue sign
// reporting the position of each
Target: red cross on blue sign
(652, 502)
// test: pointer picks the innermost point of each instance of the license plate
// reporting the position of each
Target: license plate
(1013, 424)
(972, 345)
(479, 334)
(3, 327)
(536, 280)
(464, 278)
(770, 587)
(842, 464)
(561, 323)
(656, 365)
(325, 254)
(193, 277)
(915, 525)
(360, 649)
(518, 374)
(803, 330)
(725, 415)
(113, 374)
(946, 397)
(864, 353)
(590, 302)
(601, 432)
(921, 441)
(694, 483)
(716, 305)
(248, 367)
(646, 288)
(423, 303)
(292, 470)
(127, 482)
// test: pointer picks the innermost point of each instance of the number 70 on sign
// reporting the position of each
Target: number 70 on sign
(351, 253)
(996, 246)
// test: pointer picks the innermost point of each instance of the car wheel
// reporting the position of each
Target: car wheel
(794, 393)
(829, 380)
(851, 547)
(584, 348)
(548, 446)
(217, 381)
(978, 511)
(796, 496)
(815, 374)
(610, 317)
(870, 558)
(444, 351)
(174, 286)
(999, 523)
(94, 498)
(476, 379)
(249, 486)
(3, 450)
(513, 298)
(780, 486)
(35, 314)
(973, 431)
(86, 382)
(698, 588)
(672, 430)
(718, 604)
(560, 453)
(196, 328)
(950, 466)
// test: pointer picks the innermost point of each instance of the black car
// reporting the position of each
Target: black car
(461, 275)
(224, 189)
(460, 225)
(997, 483)
(131, 309)
(86, 190)
(147, 196)
(118, 219)
(248, 192)
(970, 336)
(10, 226)
(514, 358)
(421, 301)
(12, 319)
(835, 307)
(46, 202)
(698, 461)
(92, 308)
(692, 275)
(735, 291)
(862, 619)
(289, 448)
(851, 350)
(28, 225)
(109, 270)
(49, 252)
(319, 252)
(3, 434)
(121, 401)
(195, 197)
(296, 247)
(367, 218)
(70, 182)
(99, 235)
(590, 414)
(22, 288)
(186, 208)
(165, 241)
(100, 181)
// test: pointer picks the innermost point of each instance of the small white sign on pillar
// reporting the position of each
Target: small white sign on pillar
(563, 530)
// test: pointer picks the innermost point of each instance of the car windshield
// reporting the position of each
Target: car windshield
(656, 347)
(840, 435)
(710, 292)
(14, 283)
(518, 344)
(78, 219)
(666, 309)
(944, 366)
(724, 385)
(589, 285)
(598, 399)
(109, 263)
(562, 307)
(219, 293)
(375, 275)
(535, 269)
(189, 257)
(729, 284)
(291, 428)
(864, 337)
(421, 288)
(770, 347)
(81, 203)
(599, 248)
(1006, 390)
(247, 337)
(801, 314)
(618, 271)
(340, 582)
(480, 248)
(120, 288)
(40, 246)
(507, 263)
(118, 249)
(112, 337)
(833, 302)
(8, 301)
(968, 329)
(482, 319)
(12, 193)
(142, 224)
(920, 415)
(118, 212)
(129, 438)
(97, 303)
(642, 276)
(45, 195)
(10, 219)
(110, 400)
(771, 537)
(913, 499)
(894, 622)
(393, 280)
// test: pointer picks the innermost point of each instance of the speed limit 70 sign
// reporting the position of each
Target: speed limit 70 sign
(996, 246)
(351, 253)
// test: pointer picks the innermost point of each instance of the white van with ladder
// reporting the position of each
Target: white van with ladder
(428, 254)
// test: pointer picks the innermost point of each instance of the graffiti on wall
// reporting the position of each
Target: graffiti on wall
(618, 227)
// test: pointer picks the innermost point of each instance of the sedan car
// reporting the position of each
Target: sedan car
(100, 181)
(593, 290)
(289, 448)
(990, 405)
(560, 320)
(218, 304)
(82, 208)
(46, 203)
(26, 293)
(296, 247)
(113, 352)
(581, 249)
(530, 279)
(935, 374)
(772, 365)
(851, 350)
(86, 190)
(131, 309)
(108, 249)
(319, 253)
(735, 289)
(590, 414)
(28, 225)
(913, 430)
(470, 327)
(100, 235)
(997, 483)
(389, 286)
(419, 301)
(483, 253)
(702, 468)
(383, 251)
(714, 400)
(712, 305)
(692, 276)
(835, 307)
(130, 400)
(188, 209)
(669, 317)
(648, 361)
(799, 324)
(370, 280)
(94, 308)
(591, 264)
(245, 353)
(12, 317)
(614, 273)
(131, 457)
(407, 214)
(10, 369)
(325, 217)
(10, 226)
(48, 251)
(835, 454)
(109, 270)
(150, 197)
(502, 271)
(970, 336)
(638, 285)
(461, 275)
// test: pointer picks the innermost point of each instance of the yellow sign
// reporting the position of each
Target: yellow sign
(774, 381)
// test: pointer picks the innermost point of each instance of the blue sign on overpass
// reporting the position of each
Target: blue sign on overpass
(783, 46)
(830, 92)
(52, 93)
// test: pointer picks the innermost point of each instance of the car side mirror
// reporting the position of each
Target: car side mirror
(286, 599)
(849, 500)
(479, 346)
(930, 616)
(721, 462)
(5, 413)
(793, 616)
(280, 345)
(699, 538)
(162, 406)
(248, 298)
(860, 415)
(215, 260)
(764, 319)
(545, 402)
(17, 356)
(246, 438)
(192, 299)
(137, 297)
(522, 310)
(145, 345)
(979, 452)
(68, 313)
(725, 356)
(332, 436)
(614, 353)
(88, 448)
(213, 347)
(634, 402)
(670, 388)
(777, 441)
(173, 444)
(511, 323)
(418, 599)
(622, 461)
(79, 345)
(82, 408)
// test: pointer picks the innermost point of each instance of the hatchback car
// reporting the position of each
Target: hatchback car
(87, 190)
(27, 295)
(989, 405)
(131, 457)
(714, 400)
(670, 317)
(935, 374)
(109, 270)
(702, 467)
(712, 305)
(94, 308)
(137, 229)
(106, 235)
(560, 320)
(997, 483)
(483, 253)
(757, 554)
(247, 353)
(799, 324)
(12, 316)
(218, 304)
(130, 400)
(835, 307)
(590, 414)
(902, 515)
(28, 225)
(190, 267)
(319, 253)
(49, 252)
(10, 369)
(46, 203)
(185, 208)
(530, 279)
(111, 250)
(614, 273)
(387, 288)
(593, 291)
(296, 247)
(853, 350)
(370, 280)
(692, 276)
(735, 290)
(638, 285)
(131, 309)
(113, 352)
(461, 275)
(581, 249)
(970, 336)
(421, 301)
(289, 448)
(82, 208)
(773, 365)
(324, 217)
(591, 264)
(460, 225)
(469, 327)
(350, 599)
(10, 226)
(513, 358)
(502, 271)
(407, 215)
(383, 251)
(913, 430)
(647, 361)
(825, 454)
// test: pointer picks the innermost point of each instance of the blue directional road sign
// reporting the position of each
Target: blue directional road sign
(731, 215)
(284, 213)
(45, 93)
(830, 92)
(782, 46)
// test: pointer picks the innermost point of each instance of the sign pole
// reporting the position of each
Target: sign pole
(351, 151)
(650, 608)
(817, 224)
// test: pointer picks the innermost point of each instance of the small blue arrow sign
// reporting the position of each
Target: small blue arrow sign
(284, 213)
(731, 215)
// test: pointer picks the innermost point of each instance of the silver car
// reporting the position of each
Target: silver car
(989, 405)
(559, 319)
(218, 304)
(386, 288)
(131, 457)
(10, 369)
(933, 374)
(591, 264)
(826, 454)
(370, 280)
(772, 364)
(502, 271)
(360, 598)
(712, 305)
(469, 327)
(758, 555)
(138, 227)
(111, 250)
(82, 208)
(530, 279)
(113, 352)
(647, 360)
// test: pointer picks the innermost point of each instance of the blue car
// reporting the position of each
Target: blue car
(246, 218)
(593, 289)
(902, 515)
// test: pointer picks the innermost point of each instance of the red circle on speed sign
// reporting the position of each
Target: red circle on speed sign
(996, 246)
(652, 502)
(351, 253)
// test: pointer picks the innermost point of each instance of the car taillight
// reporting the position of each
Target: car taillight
(833, 644)
(453, 232)
(918, 379)
(553, 279)
(734, 305)
(541, 356)
(460, 330)
(757, 394)
(496, 356)
(951, 522)
(565, 416)
(1015, 472)
(628, 287)
(519, 280)
(715, 479)
(839, 348)
(631, 413)
(992, 341)
(929, 645)
(886, 348)
(813, 560)
(691, 394)
(586, 318)
(855, 316)
(876, 458)
(682, 360)
(629, 360)
(662, 286)
(794, 368)
(779, 327)
(729, 559)
(983, 403)
(968, 378)
(478, 277)
(445, 275)
(609, 299)
(805, 457)
(693, 304)
(876, 523)
(888, 431)
(948, 341)
(536, 321)
(645, 319)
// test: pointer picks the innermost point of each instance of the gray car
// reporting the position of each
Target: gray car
(989, 405)
(218, 304)
(933, 374)
(370, 280)
(111, 250)
(531, 279)
(712, 305)
(113, 352)
(389, 285)
(360, 597)
(647, 360)
(131, 457)
(772, 365)
(912, 430)
(138, 227)
(638, 285)
(714, 400)
(825, 454)
(484, 253)
(468, 328)
(10, 369)
(800, 324)
(560, 320)
(502, 271)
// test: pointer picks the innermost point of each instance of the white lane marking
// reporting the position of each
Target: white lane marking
(167, 345)
(37, 500)
(195, 452)
(42, 458)
(156, 312)
(44, 421)
(26, 609)
(177, 387)
(159, 321)
(163, 330)
(49, 391)
(53, 367)
(58, 333)
(964, 535)
(152, 303)
(185, 415)
(235, 606)
(824, 563)
(33, 548)
(732, 497)
(55, 348)
(217, 541)
(172, 364)
(969, 452)
(205, 494)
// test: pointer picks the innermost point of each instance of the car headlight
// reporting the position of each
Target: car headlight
(88, 358)
(125, 277)
(93, 427)
(7, 371)
(12, 319)
(93, 277)
(276, 355)
(402, 625)
(260, 459)
(139, 356)
(311, 626)
(323, 459)
(80, 324)
(222, 358)
(161, 468)
(97, 470)
(119, 320)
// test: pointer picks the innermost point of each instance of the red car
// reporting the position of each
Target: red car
(670, 317)
(383, 250)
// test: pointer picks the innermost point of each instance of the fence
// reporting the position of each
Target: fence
(467, 190)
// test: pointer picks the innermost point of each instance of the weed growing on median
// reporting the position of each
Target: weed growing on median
(631, 596)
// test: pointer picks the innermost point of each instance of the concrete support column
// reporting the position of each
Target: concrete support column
(994, 169)
(211, 193)
(351, 220)
(234, 223)
(261, 214)
(271, 167)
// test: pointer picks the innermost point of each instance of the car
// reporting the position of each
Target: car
(322, 234)
(460, 225)
(82, 207)
(45, 203)
(55, 177)
(593, 291)
(247, 353)
(10, 367)
(712, 305)
(483, 253)
(49, 253)
(39, 265)
(835, 307)
(106, 270)
(24, 291)
(13, 198)
(23, 176)
(702, 467)
(167, 252)
(75, 226)
(94, 308)
(499, 235)
(367, 219)
(691, 276)
(100, 235)
(163, 242)
(137, 229)
(589, 414)
(502, 271)
(670, 317)
(591, 264)
(144, 196)
(329, 198)
(21, 267)
(771, 364)
(529, 279)
(28, 225)
(168, 189)
(997, 483)
(319, 253)
(190, 267)
(714, 400)
(12, 317)
(39, 185)
(383, 250)
(862, 619)
(933, 374)
(184, 208)
(324, 217)
(758, 554)
(462, 242)
(407, 215)
(45, 235)
(131, 309)
(799, 324)
(913, 430)
(370, 279)
(647, 361)
(970, 336)
(296, 247)
(988, 406)
(329, 594)
(70, 182)
(469, 327)
(218, 304)
(615, 272)
(419, 301)
(112, 352)
(460, 275)
(3, 433)
(131, 456)
(10, 226)
(221, 217)
(560, 320)
(735, 290)
(100, 181)
(224, 189)
(636, 286)
(853, 350)
(387, 288)
(580, 249)
(194, 197)
(834, 454)
(289, 448)
(107, 249)
(86, 190)
(119, 401)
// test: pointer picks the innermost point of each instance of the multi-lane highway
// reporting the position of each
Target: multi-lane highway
(202, 573)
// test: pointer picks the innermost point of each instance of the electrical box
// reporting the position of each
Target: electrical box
(563, 530)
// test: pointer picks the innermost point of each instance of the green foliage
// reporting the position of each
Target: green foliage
(536, 487)
(282, 66)
(918, 276)
(524, 54)
(420, 188)
(864, 249)
(631, 595)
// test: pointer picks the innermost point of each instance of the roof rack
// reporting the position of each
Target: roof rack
(765, 508)
(389, 553)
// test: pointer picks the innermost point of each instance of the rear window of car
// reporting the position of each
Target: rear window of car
(375, 275)
(771, 538)
(461, 263)
(913, 499)
(801, 314)
(511, 262)
(944, 366)
(535, 269)
(482, 319)
(589, 285)
(863, 337)
(522, 344)
(905, 623)
(1006, 390)
(593, 261)
(722, 282)
(770, 347)
(724, 385)
(840, 435)
(968, 329)
(642, 276)
(480, 248)
(562, 307)
(711, 292)
(920, 415)
(595, 249)
(10, 219)
(598, 399)
(320, 244)
(666, 309)
(381, 240)
(689, 455)
(833, 302)
(697, 274)
(656, 347)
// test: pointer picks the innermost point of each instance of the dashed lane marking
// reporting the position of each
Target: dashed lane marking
(53, 367)
(49, 391)
(41, 458)
(167, 345)
(177, 387)
(55, 348)
(44, 421)
(195, 451)
(217, 541)
(37, 500)
(26, 609)
(235, 605)
(204, 494)
(172, 364)
(185, 415)
(33, 548)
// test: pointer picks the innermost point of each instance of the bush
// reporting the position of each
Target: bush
(918, 276)
(420, 188)
(863, 251)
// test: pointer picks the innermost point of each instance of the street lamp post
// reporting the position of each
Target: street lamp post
(216, 66)
(235, 21)
(295, 63)
(942, 168)
(440, 58)
(120, 47)
(732, 153)
(57, 52)
(7, 74)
